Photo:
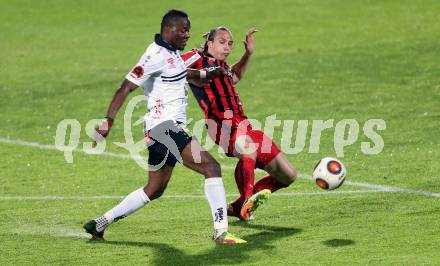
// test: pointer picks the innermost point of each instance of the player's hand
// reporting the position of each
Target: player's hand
(249, 41)
(102, 131)
(215, 72)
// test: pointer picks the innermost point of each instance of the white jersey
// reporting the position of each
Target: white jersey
(162, 73)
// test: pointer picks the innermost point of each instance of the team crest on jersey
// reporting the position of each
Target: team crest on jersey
(171, 62)
(137, 72)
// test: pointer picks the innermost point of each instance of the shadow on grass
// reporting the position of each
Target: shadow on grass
(166, 254)
(338, 242)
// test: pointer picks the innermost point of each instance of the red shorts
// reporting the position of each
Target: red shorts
(226, 132)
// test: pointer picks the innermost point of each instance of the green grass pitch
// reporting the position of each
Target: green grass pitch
(321, 60)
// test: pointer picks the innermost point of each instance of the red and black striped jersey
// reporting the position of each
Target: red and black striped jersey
(220, 95)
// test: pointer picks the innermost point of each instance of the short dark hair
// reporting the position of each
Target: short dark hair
(169, 19)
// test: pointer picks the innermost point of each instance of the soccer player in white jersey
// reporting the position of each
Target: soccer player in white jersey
(162, 73)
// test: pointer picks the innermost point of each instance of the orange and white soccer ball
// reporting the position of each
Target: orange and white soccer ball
(329, 173)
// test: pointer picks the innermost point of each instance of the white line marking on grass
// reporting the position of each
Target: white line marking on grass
(49, 231)
(383, 187)
(183, 196)
(52, 147)
(74, 234)
(375, 187)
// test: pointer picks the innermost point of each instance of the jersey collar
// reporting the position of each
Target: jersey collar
(161, 42)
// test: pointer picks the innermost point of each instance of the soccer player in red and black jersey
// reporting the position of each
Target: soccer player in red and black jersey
(228, 125)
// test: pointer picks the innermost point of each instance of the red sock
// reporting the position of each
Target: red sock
(268, 182)
(239, 181)
(245, 178)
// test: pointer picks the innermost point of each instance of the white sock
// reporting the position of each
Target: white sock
(133, 202)
(215, 193)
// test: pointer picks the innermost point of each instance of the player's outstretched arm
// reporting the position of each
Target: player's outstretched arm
(116, 103)
(239, 68)
(204, 76)
(194, 77)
